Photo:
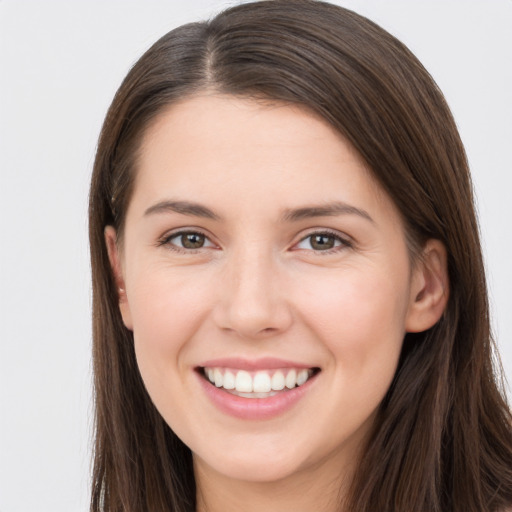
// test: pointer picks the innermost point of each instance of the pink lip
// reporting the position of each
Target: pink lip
(254, 408)
(264, 363)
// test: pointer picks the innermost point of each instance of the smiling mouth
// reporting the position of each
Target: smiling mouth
(257, 384)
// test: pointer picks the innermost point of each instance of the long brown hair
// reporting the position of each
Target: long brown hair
(443, 438)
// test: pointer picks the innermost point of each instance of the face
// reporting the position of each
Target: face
(268, 285)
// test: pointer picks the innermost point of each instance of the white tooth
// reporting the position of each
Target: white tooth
(229, 380)
(243, 382)
(302, 377)
(291, 379)
(218, 377)
(211, 375)
(278, 381)
(261, 383)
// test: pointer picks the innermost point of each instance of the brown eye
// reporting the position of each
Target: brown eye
(322, 242)
(192, 240)
(187, 240)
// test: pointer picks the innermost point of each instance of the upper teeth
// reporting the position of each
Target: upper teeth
(258, 382)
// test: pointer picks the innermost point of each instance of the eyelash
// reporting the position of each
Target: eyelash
(166, 241)
(344, 243)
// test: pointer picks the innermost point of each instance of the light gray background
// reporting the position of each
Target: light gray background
(60, 64)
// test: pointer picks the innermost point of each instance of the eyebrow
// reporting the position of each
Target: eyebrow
(289, 215)
(325, 210)
(183, 207)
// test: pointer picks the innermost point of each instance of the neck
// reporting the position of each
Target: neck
(319, 488)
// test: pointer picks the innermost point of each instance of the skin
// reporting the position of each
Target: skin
(258, 288)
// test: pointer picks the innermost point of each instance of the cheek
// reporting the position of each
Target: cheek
(361, 321)
(167, 308)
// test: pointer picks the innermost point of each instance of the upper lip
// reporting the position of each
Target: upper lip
(264, 363)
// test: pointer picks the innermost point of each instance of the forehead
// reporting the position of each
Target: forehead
(235, 122)
(216, 147)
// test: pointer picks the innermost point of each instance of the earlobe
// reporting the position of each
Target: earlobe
(115, 263)
(429, 288)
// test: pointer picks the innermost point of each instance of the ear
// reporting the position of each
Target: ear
(115, 262)
(429, 288)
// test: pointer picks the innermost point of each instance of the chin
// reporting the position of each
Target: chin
(252, 468)
(257, 472)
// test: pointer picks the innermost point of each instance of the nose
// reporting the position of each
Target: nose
(252, 297)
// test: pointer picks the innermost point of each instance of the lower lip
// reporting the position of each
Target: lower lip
(255, 408)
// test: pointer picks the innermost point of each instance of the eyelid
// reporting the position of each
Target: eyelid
(165, 240)
(345, 240)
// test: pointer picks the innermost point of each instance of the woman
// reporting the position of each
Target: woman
(290, 308)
